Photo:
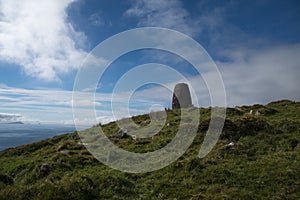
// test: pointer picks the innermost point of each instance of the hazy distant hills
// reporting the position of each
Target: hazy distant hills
(256, 157)
(19, 122)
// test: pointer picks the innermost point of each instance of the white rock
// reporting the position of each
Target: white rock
(257, 113)
(231, 144)
(133, 137)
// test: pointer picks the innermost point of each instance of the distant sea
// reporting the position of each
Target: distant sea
(12, 135)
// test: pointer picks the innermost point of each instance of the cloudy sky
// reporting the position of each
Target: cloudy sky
(254, 44)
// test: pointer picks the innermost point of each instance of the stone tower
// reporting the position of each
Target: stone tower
(181, 96)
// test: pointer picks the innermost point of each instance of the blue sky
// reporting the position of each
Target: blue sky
(255, 45)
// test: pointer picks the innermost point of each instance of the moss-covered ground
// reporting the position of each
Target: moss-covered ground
(263, 163)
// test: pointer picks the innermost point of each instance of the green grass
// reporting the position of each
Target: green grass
(264, 163)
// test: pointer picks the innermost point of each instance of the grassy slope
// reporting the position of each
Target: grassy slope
(265, 163)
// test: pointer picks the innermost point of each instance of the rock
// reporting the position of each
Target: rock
(257, 113)
(133, 137)
(181, 96)
(231, 144)
(44, 170)
(144, 122)
(83, 143)
(239, 108)
(122, 133)
(63, 151)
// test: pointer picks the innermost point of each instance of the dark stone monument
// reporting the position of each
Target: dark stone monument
(181, 96)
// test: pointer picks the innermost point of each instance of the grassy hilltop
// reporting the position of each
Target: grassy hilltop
(263, 163)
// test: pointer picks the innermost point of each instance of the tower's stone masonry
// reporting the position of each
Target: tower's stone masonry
(181, 96)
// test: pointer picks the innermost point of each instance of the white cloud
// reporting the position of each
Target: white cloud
(36, 35)
(256, 70)
(7, 117)
(56, 105)
(253, 76)
(96, 19)
(168, 14)
(261, 76)
(37, 105)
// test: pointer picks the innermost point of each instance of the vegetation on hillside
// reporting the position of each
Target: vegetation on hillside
(262, 162)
